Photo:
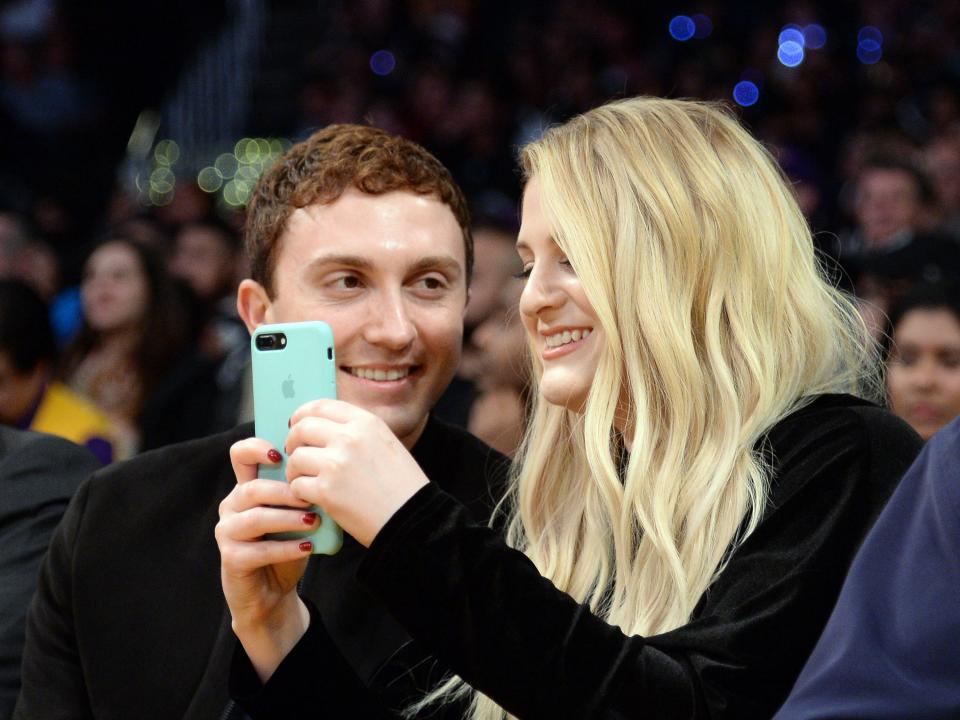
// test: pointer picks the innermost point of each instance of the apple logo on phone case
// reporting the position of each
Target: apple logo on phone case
(287, 387)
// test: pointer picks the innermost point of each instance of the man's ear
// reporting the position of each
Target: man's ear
(253, 304)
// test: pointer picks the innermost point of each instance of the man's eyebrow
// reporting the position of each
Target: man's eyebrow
(445, 263)
(353, 261)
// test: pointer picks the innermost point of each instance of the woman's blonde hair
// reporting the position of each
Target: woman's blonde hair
(717, 323)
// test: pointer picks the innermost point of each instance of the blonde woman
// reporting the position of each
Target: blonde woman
(696, 474)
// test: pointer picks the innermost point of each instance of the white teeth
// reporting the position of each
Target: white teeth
(567, 336)
(379, 374)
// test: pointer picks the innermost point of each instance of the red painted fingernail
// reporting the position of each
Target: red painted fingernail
(289, 422)
(309, 518)
(274, 455)
(306, 546)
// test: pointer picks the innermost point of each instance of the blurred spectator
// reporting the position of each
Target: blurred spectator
(943, 164)
(29, 395)
(890, 249)
(25, 257)
(133, 356)
(38, 476)
(495, 261)
(206, 255)
(498, 413)
(923, 366)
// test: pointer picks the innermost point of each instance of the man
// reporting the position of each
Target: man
(38, 475)
(356, 227)
(891, 249)
(890, 648)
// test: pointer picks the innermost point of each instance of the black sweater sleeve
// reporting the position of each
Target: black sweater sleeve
(314, 680)
(489, 615)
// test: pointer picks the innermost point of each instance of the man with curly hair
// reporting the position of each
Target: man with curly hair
(368, 232)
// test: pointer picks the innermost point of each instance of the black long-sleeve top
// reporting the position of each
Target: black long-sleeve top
(481, 609)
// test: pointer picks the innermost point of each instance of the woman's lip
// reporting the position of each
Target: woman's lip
(551, 353)
(923, 411)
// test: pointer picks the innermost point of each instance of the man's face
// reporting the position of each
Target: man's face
(387, 273)
(888, 202)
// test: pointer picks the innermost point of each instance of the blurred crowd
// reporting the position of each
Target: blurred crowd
(121, 333)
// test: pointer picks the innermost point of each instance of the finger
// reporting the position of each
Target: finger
(311, 430)
(335, 410)
(311, 488)
(256, 522)
(243, 558)
(259, 492)
(247, 454)
(309, 460)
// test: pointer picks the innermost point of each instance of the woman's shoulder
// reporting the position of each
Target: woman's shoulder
(840, 440)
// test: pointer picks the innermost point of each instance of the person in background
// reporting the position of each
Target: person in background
(494, 266)
(134, 356)
(892, 247)
(942, 162)
(30, 395)
(890, 649)
(206, 255)
(39, 473)
(923, 357)
(696, 474)
(501, 374)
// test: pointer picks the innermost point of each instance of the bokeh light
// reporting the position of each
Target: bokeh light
(746, 93)
(209, 180)
(814, 36)
(167, 152)
(703, 26)
(869, 32)
(790, 53)
(226, 164)
(869, 52)
(791, 34)
(383, 62)
(682, 28)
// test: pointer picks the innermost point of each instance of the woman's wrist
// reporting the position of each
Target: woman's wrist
(268, 642)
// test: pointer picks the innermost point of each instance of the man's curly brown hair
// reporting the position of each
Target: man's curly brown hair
(322, 167)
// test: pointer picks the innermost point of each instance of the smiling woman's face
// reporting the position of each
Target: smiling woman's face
(560, 322)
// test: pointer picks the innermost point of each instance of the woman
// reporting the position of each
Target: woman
(133, 333)
(923, 362)
(693, 481)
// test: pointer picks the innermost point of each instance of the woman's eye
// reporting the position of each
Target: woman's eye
(523, 274)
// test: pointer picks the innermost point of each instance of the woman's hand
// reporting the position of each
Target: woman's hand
(347, 461)
(260, 576)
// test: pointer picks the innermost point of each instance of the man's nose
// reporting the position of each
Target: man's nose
(389, 323)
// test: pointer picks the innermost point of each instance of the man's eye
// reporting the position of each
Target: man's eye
(347, 282)
(432, 282)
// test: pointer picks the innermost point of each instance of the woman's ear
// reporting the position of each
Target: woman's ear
(253, 303)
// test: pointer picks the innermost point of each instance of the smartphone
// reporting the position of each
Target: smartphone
(293, 363)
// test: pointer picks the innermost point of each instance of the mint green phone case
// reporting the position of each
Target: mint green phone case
(300, 367)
